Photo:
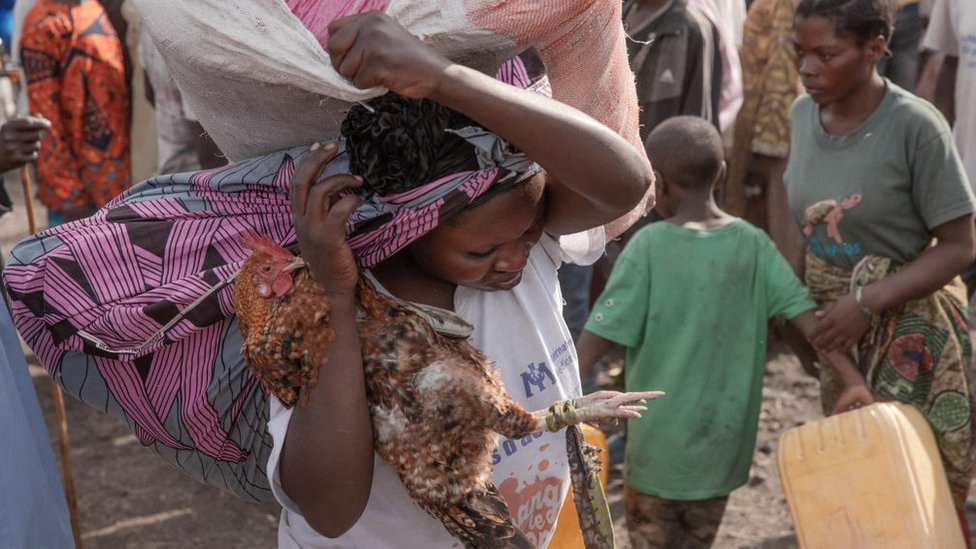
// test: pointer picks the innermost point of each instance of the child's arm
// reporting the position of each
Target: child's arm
(801, 347)
(855, 392)
(590, 349)
(595, 176)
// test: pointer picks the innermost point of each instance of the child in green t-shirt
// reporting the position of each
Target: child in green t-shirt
(690, 298)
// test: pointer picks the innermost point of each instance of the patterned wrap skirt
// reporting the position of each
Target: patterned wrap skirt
(918, 354)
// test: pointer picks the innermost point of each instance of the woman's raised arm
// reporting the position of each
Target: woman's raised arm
(595, 176)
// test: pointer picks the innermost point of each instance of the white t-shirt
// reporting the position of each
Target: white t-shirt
(522, 330)
(952, 30)
(733, 14)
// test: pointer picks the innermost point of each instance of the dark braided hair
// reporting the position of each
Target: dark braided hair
(864, 19)
(403, 143)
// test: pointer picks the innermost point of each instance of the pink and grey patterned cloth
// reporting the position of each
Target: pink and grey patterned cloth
(384, 225)
(130, 310)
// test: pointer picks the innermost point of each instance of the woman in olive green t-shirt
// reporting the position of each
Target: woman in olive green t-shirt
(873, 178)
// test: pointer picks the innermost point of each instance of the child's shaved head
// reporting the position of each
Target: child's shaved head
(687, 151)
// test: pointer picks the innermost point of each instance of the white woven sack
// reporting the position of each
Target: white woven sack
(259, 81)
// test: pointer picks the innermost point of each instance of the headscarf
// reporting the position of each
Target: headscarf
(384, 225)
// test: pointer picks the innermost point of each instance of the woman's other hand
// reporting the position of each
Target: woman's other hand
(841, 324)
(371, 49)
(852, 397)
(320, 221)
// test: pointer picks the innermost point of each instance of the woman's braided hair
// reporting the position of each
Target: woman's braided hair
(403, 143)
(864, 19)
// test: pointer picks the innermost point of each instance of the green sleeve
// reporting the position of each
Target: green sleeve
(620, 313)
(940, 189)
(786, 297)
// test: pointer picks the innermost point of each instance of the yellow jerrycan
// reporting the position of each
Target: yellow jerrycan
(567, 534)
(868, 478)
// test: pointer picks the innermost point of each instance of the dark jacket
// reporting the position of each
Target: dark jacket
(675, 58)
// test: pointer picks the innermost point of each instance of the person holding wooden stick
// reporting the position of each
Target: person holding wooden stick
(20, 141)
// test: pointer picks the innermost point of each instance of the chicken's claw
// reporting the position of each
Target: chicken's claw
(611, 405)
(597, 407)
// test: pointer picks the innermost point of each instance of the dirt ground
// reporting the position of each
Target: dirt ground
(127, 497)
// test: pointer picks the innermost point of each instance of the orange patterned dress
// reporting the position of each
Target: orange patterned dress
(75, 78)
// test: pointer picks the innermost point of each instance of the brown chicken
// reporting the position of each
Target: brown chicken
(284, 344)
(436, 402)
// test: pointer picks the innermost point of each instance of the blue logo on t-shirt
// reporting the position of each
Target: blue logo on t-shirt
(536, 377)
(830, 249)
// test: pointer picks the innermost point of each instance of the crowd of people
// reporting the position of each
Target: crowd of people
(669, 176)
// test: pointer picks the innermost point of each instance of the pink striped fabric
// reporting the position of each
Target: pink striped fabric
(89, 296)
(316, 15)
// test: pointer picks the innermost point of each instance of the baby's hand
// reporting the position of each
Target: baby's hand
(320, 221)
(371, 49)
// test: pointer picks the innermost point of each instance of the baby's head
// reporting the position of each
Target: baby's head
(687, 154)
(441, 191)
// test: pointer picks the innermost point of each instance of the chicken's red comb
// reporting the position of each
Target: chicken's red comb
(264, 243)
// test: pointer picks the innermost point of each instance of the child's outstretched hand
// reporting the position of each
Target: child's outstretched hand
(853, 396)
(371, 49)
(320, 221)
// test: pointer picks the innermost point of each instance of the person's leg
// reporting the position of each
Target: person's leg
(700, 521)
(652, 522)
(54, 218)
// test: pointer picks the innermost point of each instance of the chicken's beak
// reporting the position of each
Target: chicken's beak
(296, 263)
